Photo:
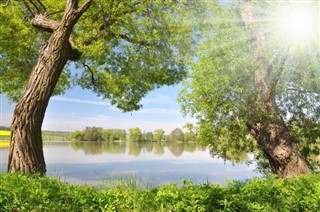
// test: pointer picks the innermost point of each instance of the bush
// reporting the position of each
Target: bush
(35, 193)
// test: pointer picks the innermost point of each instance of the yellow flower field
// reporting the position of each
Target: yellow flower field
(4, 133)
(4, 138)
(4, 144)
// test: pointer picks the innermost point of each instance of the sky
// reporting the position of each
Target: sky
(79, 108)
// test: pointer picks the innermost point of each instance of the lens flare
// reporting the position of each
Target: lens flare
(296, 24)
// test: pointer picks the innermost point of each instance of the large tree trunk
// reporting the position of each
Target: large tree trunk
(274, 138)
(266, 124)
(26, 152)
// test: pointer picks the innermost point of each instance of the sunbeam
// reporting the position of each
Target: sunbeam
(295, 24)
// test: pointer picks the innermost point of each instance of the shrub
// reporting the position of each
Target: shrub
(35, 193)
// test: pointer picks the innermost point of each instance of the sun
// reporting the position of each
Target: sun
(296, 23)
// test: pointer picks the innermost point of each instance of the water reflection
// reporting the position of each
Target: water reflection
(157, 148)
(91, 162)
(96, 148)
(135, 148)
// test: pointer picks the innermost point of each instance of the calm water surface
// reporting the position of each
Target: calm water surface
(154, 163)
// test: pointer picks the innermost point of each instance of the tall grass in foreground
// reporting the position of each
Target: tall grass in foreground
(34, 193)
(125, 182)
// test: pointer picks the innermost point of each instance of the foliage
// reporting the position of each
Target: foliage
(93, 134)
(221, 93)
(307, 134)
(114, 135)
(158, 135)
(190, 134)
(147, 136)
(77, 135)
(135, 134)
(88, 134)
(176, 135)
(128, 48)
(34, 193)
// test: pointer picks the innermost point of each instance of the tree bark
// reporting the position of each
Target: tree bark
(26, 150)
(266, 124)
(274, 138)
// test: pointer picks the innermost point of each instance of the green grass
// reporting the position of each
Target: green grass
(34, 193)
(46, 135)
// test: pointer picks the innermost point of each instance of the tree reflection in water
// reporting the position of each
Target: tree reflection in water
(157, 148)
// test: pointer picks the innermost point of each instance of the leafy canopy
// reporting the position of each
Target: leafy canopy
(128, 47)
(220, 92)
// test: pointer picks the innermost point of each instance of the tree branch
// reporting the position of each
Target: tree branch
(28, 8)
(55, 12)
(84, 7)
(7, 3)
(93, 79)
(108, 21)
(36, 4)
(42, 22)
(71, 5)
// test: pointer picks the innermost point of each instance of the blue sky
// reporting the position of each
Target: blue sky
(79, 108)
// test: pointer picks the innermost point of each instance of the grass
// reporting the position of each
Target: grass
(46, 136)
(35, 193)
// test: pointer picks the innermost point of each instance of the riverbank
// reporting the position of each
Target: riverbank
(34, 193)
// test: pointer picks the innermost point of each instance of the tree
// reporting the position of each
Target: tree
(135, 134)
(190, 134)
(77, 135)
(158, 135)
(147, 136)
(247, 82)
(176, 135)
(93, 134)
(125, 49)
(114, 135)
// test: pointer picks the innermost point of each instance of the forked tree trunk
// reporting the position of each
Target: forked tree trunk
(26, 150)
(266, 124)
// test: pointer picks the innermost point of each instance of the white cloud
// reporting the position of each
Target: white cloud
(124, 122)
(149, 118)
(162, 99)
(80, 101)
(159, 99)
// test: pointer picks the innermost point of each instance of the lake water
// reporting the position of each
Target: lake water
(154, 163)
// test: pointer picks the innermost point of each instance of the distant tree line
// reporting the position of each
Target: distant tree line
(134, 134)
(99, 134)
(4, 128)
